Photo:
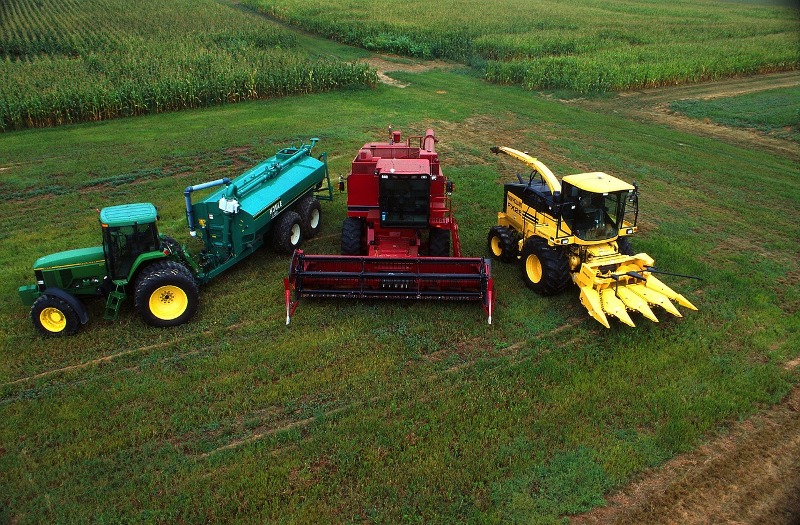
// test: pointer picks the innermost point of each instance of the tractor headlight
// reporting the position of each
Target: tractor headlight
(629, 231)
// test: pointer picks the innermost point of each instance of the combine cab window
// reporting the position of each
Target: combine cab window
(404, 200)
(123, 244)
(596, 216)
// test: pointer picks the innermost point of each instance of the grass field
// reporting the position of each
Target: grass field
(70, 61)
(584, 46)
(776, 112)
(385, 412)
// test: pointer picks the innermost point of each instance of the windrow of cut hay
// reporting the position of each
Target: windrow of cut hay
(71, 61)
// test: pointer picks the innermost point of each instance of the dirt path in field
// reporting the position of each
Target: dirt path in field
(652, 105)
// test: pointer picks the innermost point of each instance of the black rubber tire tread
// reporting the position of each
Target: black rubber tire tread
(282, 232)
(353, 236)
(624, 246)
(165, 273)
(555, 267)
(50, 301)
(305, 209)
(508, 248)
(439, 242)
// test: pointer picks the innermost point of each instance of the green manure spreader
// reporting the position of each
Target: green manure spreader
(277, 201)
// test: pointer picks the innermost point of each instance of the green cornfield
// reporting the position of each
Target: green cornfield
(78, 60)
(587, 46)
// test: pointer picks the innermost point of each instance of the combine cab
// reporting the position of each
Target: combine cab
(397, 237)
(576, 230)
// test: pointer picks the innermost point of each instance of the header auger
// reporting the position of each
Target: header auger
(577, 230)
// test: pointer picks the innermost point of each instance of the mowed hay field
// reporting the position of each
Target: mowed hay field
(378, 411)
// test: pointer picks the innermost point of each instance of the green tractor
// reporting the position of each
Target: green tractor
(277, 200)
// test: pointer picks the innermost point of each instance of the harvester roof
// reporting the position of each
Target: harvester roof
(404, 166)
(127, 214)
(597, 182)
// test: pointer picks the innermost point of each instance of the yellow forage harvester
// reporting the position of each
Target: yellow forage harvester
(576, 230)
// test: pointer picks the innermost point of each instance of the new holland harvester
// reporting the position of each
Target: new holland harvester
(276, 200)
(397, 236)
(576, 230)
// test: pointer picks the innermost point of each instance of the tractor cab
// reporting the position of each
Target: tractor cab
(129, 231)
(593, 205)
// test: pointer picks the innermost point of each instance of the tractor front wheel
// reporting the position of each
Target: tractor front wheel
(166, 294)
(310, 212)
(501, 244)
(53, 316)
(287, 235)
(624, 246)
(439, 242)
(545, 270)
(353, 236)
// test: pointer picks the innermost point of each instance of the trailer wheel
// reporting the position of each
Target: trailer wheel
(353, 236)
(287, 235)
(545, 270)
(166, 294)
(310, 212)
(53, 316)
(624, 246)
(439, 242)
(501, 244)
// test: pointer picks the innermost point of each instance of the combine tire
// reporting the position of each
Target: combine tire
(166, 294)
(53, 316)
(439, 243)
(501, 244)
(310, 213)
(544, 270)
(624, 246)
(353, 236)
(287, 235)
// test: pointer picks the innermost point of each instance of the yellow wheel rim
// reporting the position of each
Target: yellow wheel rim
(533, 267)
(52, 319)
(168, 302)
(497, 250)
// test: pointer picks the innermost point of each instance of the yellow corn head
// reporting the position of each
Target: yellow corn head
(577, 230)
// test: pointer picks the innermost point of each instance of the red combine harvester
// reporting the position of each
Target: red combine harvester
(397, 235)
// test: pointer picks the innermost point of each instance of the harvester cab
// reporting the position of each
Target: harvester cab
(576, 230)
(397, 237)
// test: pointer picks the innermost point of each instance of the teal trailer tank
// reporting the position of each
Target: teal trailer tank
(276, 200)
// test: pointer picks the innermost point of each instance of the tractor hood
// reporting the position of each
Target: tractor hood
(79, 257)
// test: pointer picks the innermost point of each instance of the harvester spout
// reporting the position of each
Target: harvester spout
(187, 193)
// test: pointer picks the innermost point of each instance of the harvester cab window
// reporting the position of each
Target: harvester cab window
(123, 244)
(596, 215)
(404, 200)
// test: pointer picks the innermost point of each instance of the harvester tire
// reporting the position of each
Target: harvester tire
(353, 236)
(501, 244)
(166, 294)
(288, 232)
(53, 316)
(545, 270)
(310, 212)
(624, 246)
(439, 242)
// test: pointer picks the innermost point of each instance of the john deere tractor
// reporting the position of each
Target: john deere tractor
(576, 230)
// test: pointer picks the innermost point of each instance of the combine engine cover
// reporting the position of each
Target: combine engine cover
(398, 234)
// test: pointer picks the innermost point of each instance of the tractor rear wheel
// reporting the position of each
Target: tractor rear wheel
(439, 242)
(353, 236)
(166, 294)
(501, 244)
(287, 235)
(53, 316)
(545, 270)
(310, 212)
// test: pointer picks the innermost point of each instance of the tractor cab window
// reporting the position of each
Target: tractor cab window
(123, 244)
(595, 216)
(404, 200)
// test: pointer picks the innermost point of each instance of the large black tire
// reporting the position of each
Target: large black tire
(287, 235)
(310, 212)
(166, 294)
(439, 242)
(353, 242)
(545, 270)
(624, 246)
(501, 244)
(53, 316)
